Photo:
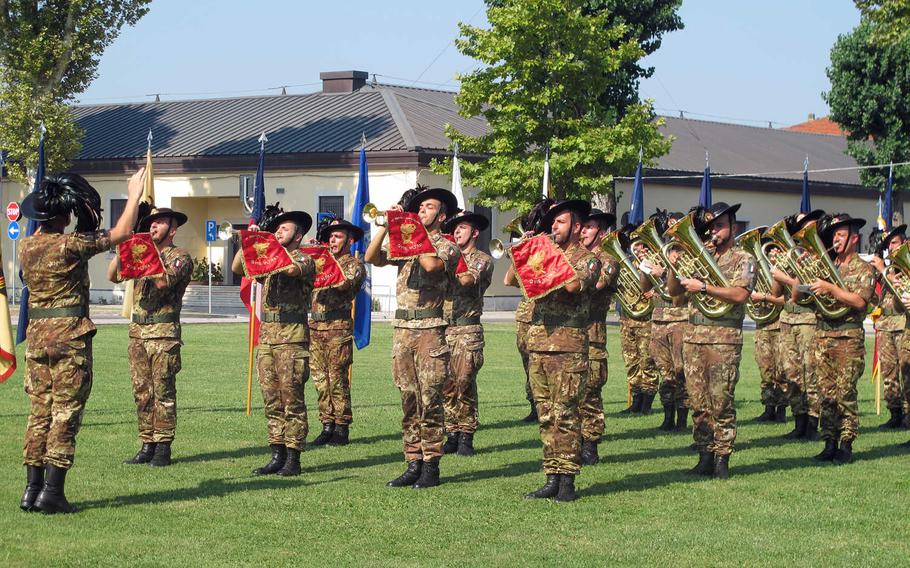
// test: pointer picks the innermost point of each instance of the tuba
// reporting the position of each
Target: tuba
(696, 262)
(817, 265)
(900, 264)
(628, 285)
(760, 312)
(788, 258)
(648, 236)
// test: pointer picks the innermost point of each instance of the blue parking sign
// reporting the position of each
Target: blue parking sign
(211, 230)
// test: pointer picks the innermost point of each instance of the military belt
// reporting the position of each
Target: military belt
(331, 315)
(792, 308)
(170, 317)
(465, 320)
(598, 317)
(425, 313)
(550, 321)
(286, 317)
(826, 325)
(702, 319)
(67, 312)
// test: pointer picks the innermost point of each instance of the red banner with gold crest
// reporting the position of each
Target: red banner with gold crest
(139, 258)
(462, 266)
(328, 271)
(262, 254)
(408, 238)
(541, 266)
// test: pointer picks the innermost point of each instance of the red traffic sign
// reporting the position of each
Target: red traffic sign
(12, 211)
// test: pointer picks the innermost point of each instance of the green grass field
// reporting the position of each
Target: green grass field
(637, 507)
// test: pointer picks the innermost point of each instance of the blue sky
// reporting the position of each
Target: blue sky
(736, 59)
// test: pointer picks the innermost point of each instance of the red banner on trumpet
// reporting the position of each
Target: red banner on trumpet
(541, 266)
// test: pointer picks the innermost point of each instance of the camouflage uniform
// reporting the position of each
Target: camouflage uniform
(58, 359)
(558, 364)
(635, 339)
(840, 356)
(769, 359)
(905, 369)
(668, 326)
(797, 345)
(420, 354)
(890, 329)
(464, 336)
(154, 347)
(282, 361)
(592, 404)
(331, 342)
(712, 352)
(522, 324)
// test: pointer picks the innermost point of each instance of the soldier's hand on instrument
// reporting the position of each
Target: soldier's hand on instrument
(878, 263)
(649, 294)
(136, 184)
(253, 227)
(757, 297)
(691, 284)
(895, 277)
(396, 207)
(657, 270)
(905, 299)
(821, 287)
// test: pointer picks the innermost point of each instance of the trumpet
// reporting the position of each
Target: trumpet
(226, 230)
(498, 248)
(628, 285)
(372, 214)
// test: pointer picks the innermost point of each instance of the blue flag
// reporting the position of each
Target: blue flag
(31, 227)
(363, 303)
(804, 206)
(704, 198)
(259, 185)
(637, 212)
(887, 209)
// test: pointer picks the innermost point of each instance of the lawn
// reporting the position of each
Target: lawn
(637, 507)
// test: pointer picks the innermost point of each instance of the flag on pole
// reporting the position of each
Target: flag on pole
(704, 198)
(880, 219)
(876, 377)
(363, 302)
(804, 205)
(250, 290)
(148, 196)
(30, 229)
(637, 212)
(456, 178)
(887, 208)
(546, 173)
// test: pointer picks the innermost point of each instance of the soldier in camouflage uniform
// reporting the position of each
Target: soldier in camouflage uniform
(58, 360)
(635, 342)
(283, 358)
(154, 346)
(713, 346)
(595, 228)
(558, 347)
(464, 334)
(890, 329)
(332, 335)
(839, 344)
(769, 359)
(420, 354)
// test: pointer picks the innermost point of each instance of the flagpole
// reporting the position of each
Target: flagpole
(252, 329)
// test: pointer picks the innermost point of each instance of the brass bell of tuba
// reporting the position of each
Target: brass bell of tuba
(760, 312)
(647, 235)
(900, 264)
(817, 265)
(630, 293)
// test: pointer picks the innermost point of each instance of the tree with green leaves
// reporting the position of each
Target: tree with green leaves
(890, 19)
(547, 65)
(49, 52)
(868, 98)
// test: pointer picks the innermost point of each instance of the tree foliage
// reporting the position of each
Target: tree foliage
(868, 98)
(49, 52)
(546, 66)
(890, 19)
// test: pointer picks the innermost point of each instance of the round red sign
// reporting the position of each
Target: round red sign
(12, 211)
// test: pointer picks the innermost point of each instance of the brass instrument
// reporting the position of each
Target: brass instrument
(760, 312)
(628, 285)
(226, 230)
(788, 259)
(900, 264)
(648, 236)
(498, 248)
(514, 226)
(372, 214)
(817, 265)
(696, 262)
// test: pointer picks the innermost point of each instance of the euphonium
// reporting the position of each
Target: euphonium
(760, 312)
(787, 259)
(818, 266)
(696, 262)
(631, 296)
(900, 264)
(514, 226)
(648, 236)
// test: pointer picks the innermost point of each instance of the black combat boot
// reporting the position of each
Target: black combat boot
(162, 455)
(532, 416)
(682, 419)
(34, 483)
(279, 455)
(291, 467)
(722, 466)
(429, 477)
(145, 454)
(780, 414)
(466, 444)
(799, 430)
(844, 454)
(566, 493)
(549, 489)
(409, 476)
(705, 465)
(896, 420)
(767, 415)
(668, 422)
(323, 438)
(589, 455)
(51, 499)
(635, 407)
(340, 435)
(828, 453)
(647, 400)
(812, 429)
(451, 445)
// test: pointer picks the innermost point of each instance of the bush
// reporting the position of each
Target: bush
(201, 269)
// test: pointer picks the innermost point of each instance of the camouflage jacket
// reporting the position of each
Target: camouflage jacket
(55, 269)
(149, 300)
(467, 301)
(675, 310)
(602, 298)
(858, 277)
(340, 297)
(739, 268)
(797, 314)
(525, 310)
(284, 296)
(560, 319)
(892, 319)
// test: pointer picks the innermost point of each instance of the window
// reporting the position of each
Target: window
(116, 210)
(246, 191)
(332, 204)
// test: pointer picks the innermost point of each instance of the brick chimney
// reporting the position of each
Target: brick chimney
(343, 81)
(811, 116)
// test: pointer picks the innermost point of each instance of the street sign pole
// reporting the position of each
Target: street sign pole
(211, 233)
(210, 277)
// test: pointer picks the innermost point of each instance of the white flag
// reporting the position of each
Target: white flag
(546, 175)
(456, 180)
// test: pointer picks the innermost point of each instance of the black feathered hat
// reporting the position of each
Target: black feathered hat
(602, 217)
(275, 215)
(442, 195)
(795, 223)
(145, 223)
(336, 224)
(65, 194)
(476, 220)
(532, 220)
(718, 210)
(578, 206)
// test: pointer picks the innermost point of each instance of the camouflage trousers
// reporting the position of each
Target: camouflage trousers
(769, 359)
(154, 364)
(420, 360)
(712, 372)
(331, 355)
(841, 361)
(58, 381)
(460, 388)
(666, 348)
(283, 369)
(797, 342)
(635, 343)
(905, 368)
(592, 402)
(889, 343)
(521, 341)
(558, 381)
